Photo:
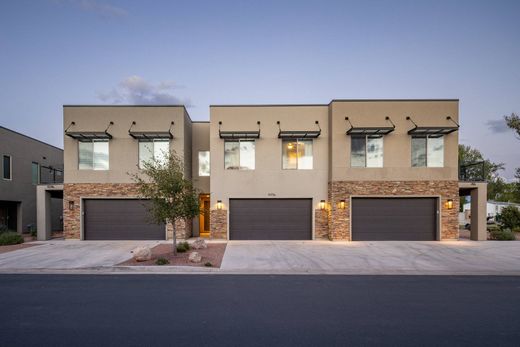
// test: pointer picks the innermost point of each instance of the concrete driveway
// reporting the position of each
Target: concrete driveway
(382, 257)
(70, 255)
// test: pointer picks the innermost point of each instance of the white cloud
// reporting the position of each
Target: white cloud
(137, 91)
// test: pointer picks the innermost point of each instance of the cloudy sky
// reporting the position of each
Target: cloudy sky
(55, 52)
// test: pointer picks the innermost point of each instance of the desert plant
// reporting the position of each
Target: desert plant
(162, 261)
(208, 264)
(185, 244)
(502, 235)
(509, 217)
(172, 195)
(183, 247)
(10, 238)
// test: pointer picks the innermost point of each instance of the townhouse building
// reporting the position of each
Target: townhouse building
(347, 170)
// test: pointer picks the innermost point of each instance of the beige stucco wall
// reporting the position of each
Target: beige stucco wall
(268, 180)
(123, 149)
(397, 145)
(200, 142)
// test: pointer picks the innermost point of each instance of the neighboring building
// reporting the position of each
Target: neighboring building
(27, 162)
(347, 170)
(492, 209)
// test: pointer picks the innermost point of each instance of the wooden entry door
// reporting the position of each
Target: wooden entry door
(204, 215)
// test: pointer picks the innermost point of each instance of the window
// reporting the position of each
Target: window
(155, 150)
(35, 167)
(204, 163)
(297, 154)
(93, 155)
(239, 155)
(366, 151)
(428, 151)
(7, 167)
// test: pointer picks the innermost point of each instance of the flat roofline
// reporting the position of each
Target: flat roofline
(164, 105)
(268, 105)
(31, 138)
(337, 100)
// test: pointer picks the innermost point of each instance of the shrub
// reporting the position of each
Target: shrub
(10, 238)
(183, 247)
(162, 261)
(502, 235)
(34, 233)
(493, 228)
(3, 229)
(509, 217)
(185, 244)
(516, 230)
(208, 264)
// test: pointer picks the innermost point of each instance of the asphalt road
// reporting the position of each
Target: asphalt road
(222, 310)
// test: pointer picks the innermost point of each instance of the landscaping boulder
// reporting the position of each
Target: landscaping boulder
(142, 253)
(199, 244)
(195, 257)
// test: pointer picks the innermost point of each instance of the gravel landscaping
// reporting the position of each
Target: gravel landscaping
(213, 254)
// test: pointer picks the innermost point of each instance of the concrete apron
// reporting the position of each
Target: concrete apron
(317, 257)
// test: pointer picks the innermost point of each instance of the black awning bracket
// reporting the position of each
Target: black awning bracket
(238, 135)
(89, 135)
(432, 131)
(71, 124)
(370, 131)
(151, 135)
(298, 134)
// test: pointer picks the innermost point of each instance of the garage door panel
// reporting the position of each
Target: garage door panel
(120, 219)
(377, 219)
(270, 219)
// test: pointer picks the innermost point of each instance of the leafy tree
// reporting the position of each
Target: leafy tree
(513, 121)
(173, 197)
(509, 217)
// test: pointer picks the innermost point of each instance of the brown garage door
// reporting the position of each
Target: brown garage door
(379, 219)
(270, 219)
(119, 219)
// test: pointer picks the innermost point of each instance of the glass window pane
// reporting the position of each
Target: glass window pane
(145, 152)
(100, 155)
(161, 149)
(7, 167)
(35, 173)
(204, 163)
(436, 151)
(289, 154)
(375, 152)
(304, 154)
(231, 155)
(85, 155)
(357, 151)
(247, 155)
(418, 151)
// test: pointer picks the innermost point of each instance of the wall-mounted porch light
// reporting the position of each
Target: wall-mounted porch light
(449, 204)
(219, 204)
(322, 204)
(341, 204)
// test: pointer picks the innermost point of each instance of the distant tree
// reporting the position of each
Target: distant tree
(173, 197)
(513, 121)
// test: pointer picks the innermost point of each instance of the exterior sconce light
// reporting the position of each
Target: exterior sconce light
(71, 205)
(449, 204)
(341, 204)
(219, 204)
(322, 204)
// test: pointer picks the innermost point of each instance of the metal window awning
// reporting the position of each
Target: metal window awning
(238, 135)
(433, 131)
(151, 135)
(370, 131)
(88, 135)
(299, 134)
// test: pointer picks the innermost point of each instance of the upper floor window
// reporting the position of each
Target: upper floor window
(428, 151)
(35, 173)
(154, 150)
(366, 151)
(239, 155)
(203, 163)
(93, 155)
(7, 167)
(297, 154)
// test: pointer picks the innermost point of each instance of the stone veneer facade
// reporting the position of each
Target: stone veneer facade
(339, 220)
(76, 191)
(218, 224)
(321, 227)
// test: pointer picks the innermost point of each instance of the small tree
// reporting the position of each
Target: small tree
(509, 217)
(173, 197)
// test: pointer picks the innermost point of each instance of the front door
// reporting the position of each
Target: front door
(204, 215)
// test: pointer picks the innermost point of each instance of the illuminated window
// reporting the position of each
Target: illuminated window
(297, 154)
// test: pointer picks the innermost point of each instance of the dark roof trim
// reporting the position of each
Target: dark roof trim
(271, 105)
(97, 105)
(393, 100)
(30, 138)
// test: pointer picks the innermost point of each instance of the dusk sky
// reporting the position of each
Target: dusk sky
(248, 52)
